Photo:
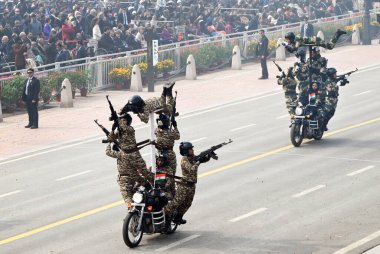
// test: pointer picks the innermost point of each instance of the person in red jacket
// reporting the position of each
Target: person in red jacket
(68, 30)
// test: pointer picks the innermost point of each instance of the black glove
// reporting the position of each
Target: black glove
(344, 82)
(204, 159)
(174, 123)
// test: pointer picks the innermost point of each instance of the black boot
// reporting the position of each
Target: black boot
(164, 92)
(337, 34)
(179, 220)
(169, 88)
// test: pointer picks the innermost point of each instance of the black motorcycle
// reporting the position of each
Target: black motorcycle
(146, 216)
(305, 124)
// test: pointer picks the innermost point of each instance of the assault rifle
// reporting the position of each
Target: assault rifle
(210, 152)
(279, 69)
(114, 117)
(116, 143)
(343, 77)
(107, 132)
(174, 111)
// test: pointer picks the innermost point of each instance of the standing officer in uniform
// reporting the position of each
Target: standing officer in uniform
(186, 187)
(30, 96)
(142, 108)
(262, 53)
(130, 162)
(165, 143)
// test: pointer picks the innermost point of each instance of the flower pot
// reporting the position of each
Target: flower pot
(73, 94)
(127, 84)
(46, 99)
(83, 92)
(58, 97)
(119, 86)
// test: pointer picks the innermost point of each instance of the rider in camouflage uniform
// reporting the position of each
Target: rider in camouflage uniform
(165, 142)
(186, 187)
(289, 85)
(131, 163)
(301, 72)
(318, 66)
(293, 42)
(332, 93)
(143, 107)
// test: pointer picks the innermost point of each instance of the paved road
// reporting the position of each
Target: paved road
(261, 196)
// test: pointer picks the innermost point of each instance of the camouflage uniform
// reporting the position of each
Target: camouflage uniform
(126, 178)
(151, 105)
(127, 141)
(318, 67)
(165, 143)
(165, 185)
(301, 72)
(331, 99)
(289, 86)
(186, 188)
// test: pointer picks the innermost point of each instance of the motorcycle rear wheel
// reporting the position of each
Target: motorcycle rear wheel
(131, 235)
(295, 135)
(319, 136)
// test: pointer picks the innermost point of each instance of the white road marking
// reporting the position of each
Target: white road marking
(257, 211)
(178, 243)
(283, 116)
(360, 171)
(362, 93)
(305, 192)
(74, 175)
(198, 139)
(10, 193)
(358, 243)
(243, 127)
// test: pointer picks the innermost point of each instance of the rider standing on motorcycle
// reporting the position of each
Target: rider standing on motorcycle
(129, 160)
(318, 66)
(165, 143)
(332, 93)
(186, 187)
(289, 85)
(142, 108)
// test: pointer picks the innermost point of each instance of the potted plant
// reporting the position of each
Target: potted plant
(143, 70)
(79, 80)
(46, 89)
(11, 93)
(55, 80)
(120, 76)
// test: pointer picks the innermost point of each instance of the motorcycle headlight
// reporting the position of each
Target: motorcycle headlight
(137, 197)
(299, 111)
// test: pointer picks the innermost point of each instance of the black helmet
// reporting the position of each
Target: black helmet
(164, 157)
(290, 36)
(127, 117)
(163, 121)
(330, 72)
(184, 148)
(136, 101)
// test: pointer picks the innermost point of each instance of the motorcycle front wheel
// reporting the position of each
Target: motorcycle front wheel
(131, 235)
(295, 135)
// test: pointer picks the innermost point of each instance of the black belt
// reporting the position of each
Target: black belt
(187, 184)
(290, 93)
(164, 148)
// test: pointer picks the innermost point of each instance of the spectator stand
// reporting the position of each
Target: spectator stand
(99, 66)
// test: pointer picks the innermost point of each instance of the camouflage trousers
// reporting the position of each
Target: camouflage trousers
(170, 185)
(291, 104)
(126, 184)
(182, 200)
(136, 164)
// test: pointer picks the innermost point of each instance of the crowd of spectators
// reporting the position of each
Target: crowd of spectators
(56, 31)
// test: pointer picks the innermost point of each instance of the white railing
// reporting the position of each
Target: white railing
(100, 66)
